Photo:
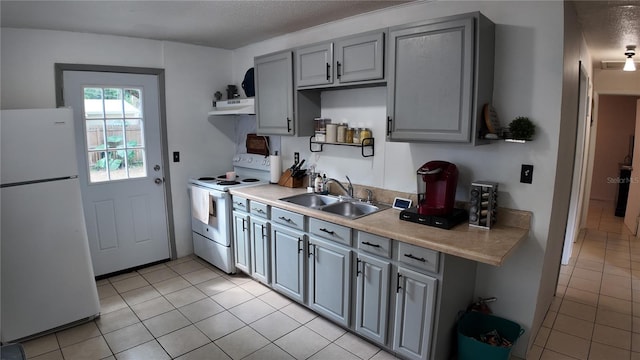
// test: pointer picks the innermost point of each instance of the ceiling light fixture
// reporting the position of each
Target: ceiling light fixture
(629, 65)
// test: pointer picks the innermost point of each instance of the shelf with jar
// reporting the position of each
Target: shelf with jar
(366, 145)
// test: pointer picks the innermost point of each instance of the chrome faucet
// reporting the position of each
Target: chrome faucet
(348, 190)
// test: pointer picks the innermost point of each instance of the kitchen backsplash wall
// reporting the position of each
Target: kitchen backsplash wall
(246, 124)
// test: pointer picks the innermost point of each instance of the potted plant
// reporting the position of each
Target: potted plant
(521, 128)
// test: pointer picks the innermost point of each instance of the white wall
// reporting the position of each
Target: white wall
(528, 82)
(192, 75)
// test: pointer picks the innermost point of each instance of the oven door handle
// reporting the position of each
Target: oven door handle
(217, 194)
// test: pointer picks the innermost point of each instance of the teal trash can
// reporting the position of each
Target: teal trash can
(474, 324)
(12, 352)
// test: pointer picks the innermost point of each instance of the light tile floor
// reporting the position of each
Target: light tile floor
(187, 309)
(596, 312)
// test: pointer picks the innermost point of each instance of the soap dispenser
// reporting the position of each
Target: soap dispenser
(318, 184)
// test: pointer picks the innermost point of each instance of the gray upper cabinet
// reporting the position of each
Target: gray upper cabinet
(274, 94)
(314, 65)
(360, 58)
(345, 61)
(440, 76)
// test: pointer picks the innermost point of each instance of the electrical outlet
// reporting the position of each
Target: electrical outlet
(296, 157)
(526, 174)
(176, 156)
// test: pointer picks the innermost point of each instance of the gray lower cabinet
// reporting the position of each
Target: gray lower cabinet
(330, 280)
(414, 314)
(260, 250)
(274, 94)
(241, 241)
(440, 75)
(372, 297)
(288, 252)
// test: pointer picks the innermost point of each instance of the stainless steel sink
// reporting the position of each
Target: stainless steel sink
(346, 207)
(313, 201)
(352, 209)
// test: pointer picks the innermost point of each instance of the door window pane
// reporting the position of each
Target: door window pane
(95, 135)
(115, 134)
(114, 122)
(97, 166)
(135, 162)
(93, 103)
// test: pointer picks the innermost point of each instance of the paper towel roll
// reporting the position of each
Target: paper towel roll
(276, 168)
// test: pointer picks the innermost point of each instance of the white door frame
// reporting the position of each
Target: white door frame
(59, 85)
(574, 222)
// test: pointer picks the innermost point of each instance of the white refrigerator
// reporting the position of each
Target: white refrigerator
(47, 276)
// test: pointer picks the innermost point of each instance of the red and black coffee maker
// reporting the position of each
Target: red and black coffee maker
(437, 182)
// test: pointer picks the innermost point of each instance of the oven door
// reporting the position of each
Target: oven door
(218, 227)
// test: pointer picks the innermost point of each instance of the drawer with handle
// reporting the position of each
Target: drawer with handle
(331, 231)
(287, 218)
(418, 257)
(374, 244)
(259, 209)
(240, 203)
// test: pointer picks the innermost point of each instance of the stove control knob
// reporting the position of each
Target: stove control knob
(249, 160)
(236, 158)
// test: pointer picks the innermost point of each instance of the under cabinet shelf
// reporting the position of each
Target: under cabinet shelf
(366, 143)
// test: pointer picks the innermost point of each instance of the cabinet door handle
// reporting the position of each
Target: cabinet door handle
(330, 232)
(262, 230)
(288, 125)
(358, 261)
(284, 219)
(338, 69)
(411, 256)
(244, 225)
(370, 244)
(258, 210)
(388, 125)
(398, 287)
(300, 248)
(239, 203)
(310, 254)
(328, 71)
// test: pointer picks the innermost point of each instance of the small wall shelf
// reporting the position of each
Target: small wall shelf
(367, 143)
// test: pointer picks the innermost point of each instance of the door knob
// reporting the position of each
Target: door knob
(156, 168)
(158, 181)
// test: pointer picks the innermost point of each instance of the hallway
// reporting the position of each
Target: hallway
(596, 312)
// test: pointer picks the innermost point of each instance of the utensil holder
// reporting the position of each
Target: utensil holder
(287, 180)
(483, 204)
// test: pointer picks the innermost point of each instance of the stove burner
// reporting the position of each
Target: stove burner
(206, 178)
(250, 180)
(228, 182)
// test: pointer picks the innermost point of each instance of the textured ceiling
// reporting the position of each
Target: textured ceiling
(608, 26)
(221, 24)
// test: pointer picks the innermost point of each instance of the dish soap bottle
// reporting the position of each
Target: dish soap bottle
(318, 183)
(325, 186)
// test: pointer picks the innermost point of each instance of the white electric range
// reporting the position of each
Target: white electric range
(213, 234)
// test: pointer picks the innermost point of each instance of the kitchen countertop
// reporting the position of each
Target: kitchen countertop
(486, 246)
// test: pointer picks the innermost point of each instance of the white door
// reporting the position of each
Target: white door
(117, 121)
(632, 214)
